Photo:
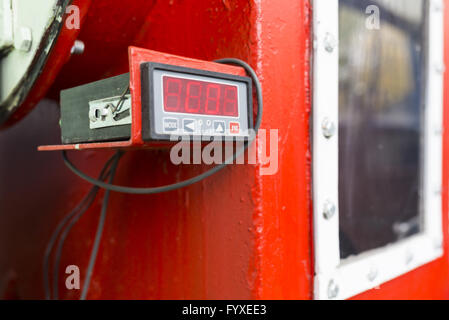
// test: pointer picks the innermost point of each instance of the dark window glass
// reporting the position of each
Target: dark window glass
(381, 102)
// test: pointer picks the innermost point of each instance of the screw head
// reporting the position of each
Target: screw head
(329, 209)
(372, 274)
(105, 111)
(328, 127)
(440, 68)
(332, 290)
(78, 47)
(438, 244)
(330, 43)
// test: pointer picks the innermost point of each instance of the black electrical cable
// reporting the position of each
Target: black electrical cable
(65, 233)
(195, 179)
(110, 187)
(81, 207)
(101, 222)
(62, 238)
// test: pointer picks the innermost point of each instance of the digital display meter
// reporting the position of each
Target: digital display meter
(162, 99)
(183, 95)
(179, 101)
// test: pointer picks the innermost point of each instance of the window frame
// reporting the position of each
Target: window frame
(341, 279)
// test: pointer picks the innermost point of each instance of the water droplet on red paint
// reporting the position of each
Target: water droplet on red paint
(226, 4)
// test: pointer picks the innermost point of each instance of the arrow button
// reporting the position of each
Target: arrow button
(219, 127)
(189, 125)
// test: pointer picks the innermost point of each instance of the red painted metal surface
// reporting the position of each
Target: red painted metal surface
(282, 213)
(237, 235)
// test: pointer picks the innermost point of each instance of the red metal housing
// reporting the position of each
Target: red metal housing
(240, 235)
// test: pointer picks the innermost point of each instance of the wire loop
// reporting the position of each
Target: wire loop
(193, 180)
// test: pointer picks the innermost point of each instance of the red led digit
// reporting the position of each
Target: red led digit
(193, 96)
(230, 101)
(212, 98)
(200, 97)
(172, 94)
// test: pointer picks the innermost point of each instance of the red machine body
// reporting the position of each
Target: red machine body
(240, 235)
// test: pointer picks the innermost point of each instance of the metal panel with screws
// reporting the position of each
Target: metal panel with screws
(81, 104)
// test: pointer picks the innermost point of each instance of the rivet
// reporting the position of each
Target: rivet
(438, 131)
(440, 68)
(78, 47)
(332, 290)
(328, 128)
(438, 244)
(329, 42)
(372, 274)
(329, 209)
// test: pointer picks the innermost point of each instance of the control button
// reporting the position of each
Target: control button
(170, 125)
(208, 123)
(189, 125)
(234, 127)
(219, 127)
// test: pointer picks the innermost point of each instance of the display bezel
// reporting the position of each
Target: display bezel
(148, 105)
